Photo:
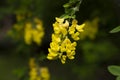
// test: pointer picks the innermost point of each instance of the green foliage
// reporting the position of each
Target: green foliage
(118, 78)
(94, 53)
(71, 8)
(115, 70)
(97, 52)
(115, 30)
(35, 7)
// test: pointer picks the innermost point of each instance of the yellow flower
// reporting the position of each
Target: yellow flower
(44, 73)
(69, 48)
(63, 31)
(60, 27)
(61, 46)
(71, 30)
(71, 54)
(52, 54)
(33, 34)
(56, 28)
(38, 73)
(66, 24)
(74, 22)
(39, 27)
(63, 59)
(75, 29)
(67, 43)
(80, 27)
(60, 20)
(54, 46)
(56, 38)
(33, 72)
(37, 36)
(28, 33)
(75, 36)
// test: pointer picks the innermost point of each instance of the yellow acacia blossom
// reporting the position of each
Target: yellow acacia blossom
(33, 30)
(75, 30)
(61, 46)
(36, 72)
(44, 73)
(33, 34)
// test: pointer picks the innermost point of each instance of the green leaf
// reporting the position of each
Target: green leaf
(115, 70)
(118, 78)
(66, 16)
(71, 8)
(66, 5)
(117, 29)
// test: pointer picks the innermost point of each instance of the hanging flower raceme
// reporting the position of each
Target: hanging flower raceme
(33, 33)
(61, 46)
(38, 73)
(33, 29)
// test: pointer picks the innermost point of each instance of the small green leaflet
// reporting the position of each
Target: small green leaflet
(118, 78)
(117, 29)
(71, 8)
(115, 70)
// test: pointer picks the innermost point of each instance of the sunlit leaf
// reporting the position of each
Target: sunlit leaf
(66, 5)
(118, 78)
(115, 70)
(117, 29)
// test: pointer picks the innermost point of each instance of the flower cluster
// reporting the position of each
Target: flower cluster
(33, 34)
(33, 30)
(38, 73)
(61, 46)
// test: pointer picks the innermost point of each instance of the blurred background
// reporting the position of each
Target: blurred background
(97, 49)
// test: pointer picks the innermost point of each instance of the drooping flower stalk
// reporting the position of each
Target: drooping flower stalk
(61, 46)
